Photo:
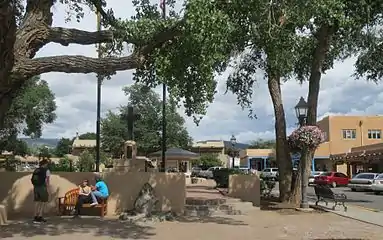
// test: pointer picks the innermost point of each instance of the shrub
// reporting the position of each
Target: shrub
(221, 176)
(266, 186)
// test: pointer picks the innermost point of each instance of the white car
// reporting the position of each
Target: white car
(362, 182)
(271, 173)
(377, 184)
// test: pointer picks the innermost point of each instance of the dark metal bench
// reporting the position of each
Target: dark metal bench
(324, 192)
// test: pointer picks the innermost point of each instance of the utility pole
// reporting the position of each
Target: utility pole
(99, 82)
(163, 7)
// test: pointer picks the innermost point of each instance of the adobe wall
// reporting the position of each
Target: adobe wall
(245, 187)
(16, 190)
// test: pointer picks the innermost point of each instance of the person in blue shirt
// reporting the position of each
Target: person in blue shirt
(101, 190)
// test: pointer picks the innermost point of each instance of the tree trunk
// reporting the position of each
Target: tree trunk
(282, 151)
(7, 58)
(324, 37)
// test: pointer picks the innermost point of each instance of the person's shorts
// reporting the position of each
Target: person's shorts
(40, 194)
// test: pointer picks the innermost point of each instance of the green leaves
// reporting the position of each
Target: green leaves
(147, 130)
(33, 107)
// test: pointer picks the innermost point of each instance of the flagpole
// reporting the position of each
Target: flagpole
(163, 155)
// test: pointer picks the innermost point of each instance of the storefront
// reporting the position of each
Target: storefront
(368, 158)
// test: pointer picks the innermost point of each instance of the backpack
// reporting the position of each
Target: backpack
(38, 176)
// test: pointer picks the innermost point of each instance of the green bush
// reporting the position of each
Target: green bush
(266, 186)
(221, 176)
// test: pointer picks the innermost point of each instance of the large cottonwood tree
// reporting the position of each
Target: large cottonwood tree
(183, 51)
(298, 39)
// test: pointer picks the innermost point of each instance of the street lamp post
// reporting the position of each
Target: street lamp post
(301, 112)
(233, 141)
(164, 123)
(98, 121)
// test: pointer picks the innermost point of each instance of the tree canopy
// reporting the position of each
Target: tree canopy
(147, 129)
(262, 144)
(63, 147)
(33, 107)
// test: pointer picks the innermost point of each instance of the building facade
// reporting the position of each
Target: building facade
(342, 134)
(80, 145)
(220, 148)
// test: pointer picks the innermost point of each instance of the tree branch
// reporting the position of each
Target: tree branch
(74, 64)
(66, 36)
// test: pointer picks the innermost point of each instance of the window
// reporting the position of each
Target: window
(326, 174)
(340, 175)
(374, 134)
(365, 176)
(349, 133)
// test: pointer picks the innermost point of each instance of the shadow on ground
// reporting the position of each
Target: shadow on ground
(272, 204)
(112, 228)
(313, 197)
(217, 220)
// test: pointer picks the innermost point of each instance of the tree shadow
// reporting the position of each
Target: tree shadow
(214, 219)
(112, 228)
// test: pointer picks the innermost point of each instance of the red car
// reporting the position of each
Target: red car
(333, 179)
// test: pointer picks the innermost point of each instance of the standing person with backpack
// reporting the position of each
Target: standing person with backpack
(40, 181)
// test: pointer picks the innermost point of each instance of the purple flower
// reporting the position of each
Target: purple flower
(305, 137)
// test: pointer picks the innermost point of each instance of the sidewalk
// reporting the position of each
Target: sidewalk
(353, 212)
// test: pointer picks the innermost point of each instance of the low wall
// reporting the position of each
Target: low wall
(16, 190)
(246, 188)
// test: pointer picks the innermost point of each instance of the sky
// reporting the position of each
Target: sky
(76, 94)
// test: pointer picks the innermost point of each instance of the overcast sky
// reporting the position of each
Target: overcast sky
(76, 95)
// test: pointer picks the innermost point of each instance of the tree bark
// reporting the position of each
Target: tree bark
(7, 57)
(282, 151)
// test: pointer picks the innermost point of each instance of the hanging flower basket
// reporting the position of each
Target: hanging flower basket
(308, 137)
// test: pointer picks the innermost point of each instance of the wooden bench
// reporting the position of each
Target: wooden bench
(67, 203)
(324, 192)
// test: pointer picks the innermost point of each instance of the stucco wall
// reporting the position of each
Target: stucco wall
(246, 188)
(17, 196)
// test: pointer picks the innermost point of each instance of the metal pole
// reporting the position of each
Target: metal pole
(163, 7)
(98, 122)
(304, 155)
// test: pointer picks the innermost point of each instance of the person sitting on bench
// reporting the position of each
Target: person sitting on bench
(100, 190)
(84, 196)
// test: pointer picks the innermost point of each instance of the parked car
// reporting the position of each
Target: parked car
(271, 173)
(377, 184)
(333, 179)
(313, 175)
(362, 182)
(195, 171)
(208, 174)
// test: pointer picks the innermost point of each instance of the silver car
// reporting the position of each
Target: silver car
(377, 185)
(362, 182)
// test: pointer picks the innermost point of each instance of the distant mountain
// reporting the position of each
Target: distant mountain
(36, 142)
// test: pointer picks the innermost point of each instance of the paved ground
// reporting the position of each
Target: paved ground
(258, 225)
(361, 199)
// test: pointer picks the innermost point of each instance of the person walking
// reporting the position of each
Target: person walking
(40, 181)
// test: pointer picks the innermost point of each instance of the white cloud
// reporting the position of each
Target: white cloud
(76, 95)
